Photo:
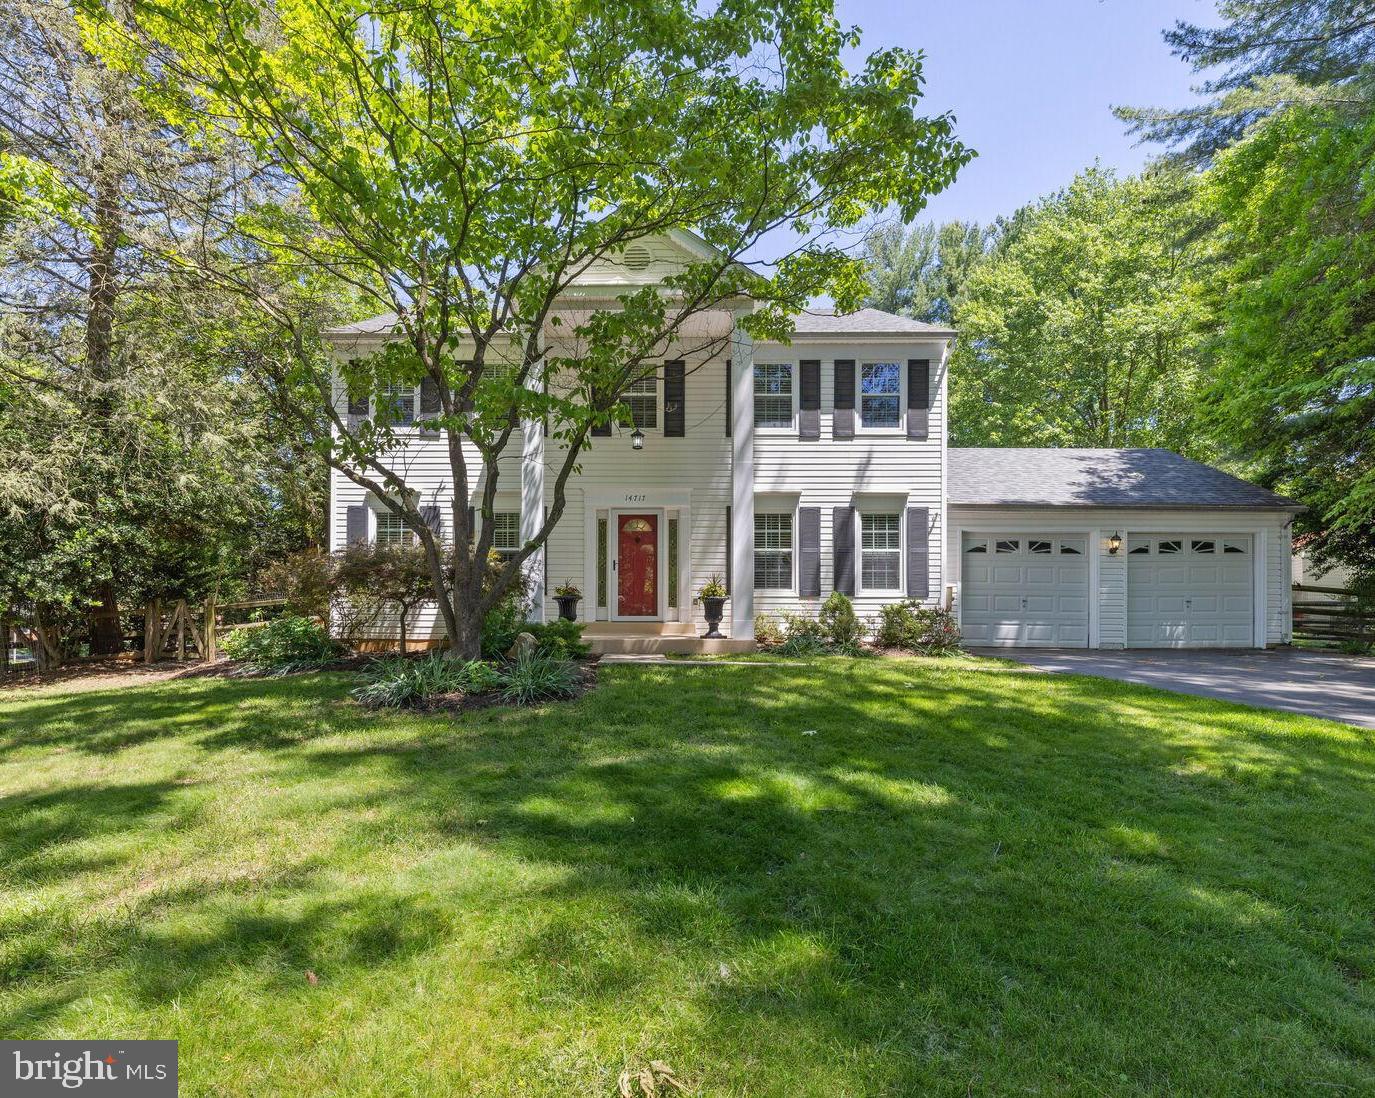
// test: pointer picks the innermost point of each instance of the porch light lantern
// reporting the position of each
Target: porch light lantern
(1114, 543)
(637, 439)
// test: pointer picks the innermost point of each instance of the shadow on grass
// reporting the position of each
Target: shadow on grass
(943, 869)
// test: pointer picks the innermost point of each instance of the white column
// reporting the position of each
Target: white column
(742, 484)
(532, 498)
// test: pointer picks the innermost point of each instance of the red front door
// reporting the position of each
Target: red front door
(637, 566)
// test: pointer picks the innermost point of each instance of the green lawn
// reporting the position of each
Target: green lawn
(853, 877)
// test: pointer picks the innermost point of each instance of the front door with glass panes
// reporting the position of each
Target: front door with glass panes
(636, 564)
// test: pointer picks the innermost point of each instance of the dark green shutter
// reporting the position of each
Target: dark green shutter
(729, 555)
(843, 415)
(809, 400)
(730, 394)
(918, 397)
(843, 548)
(432, 517)
(429, 404)
(356, 518)
(918, 552)
(675, 398)
(809, 552)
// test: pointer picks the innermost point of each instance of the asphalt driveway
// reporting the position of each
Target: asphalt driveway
(1322, 684)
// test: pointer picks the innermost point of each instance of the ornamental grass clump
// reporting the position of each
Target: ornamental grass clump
(400, 683)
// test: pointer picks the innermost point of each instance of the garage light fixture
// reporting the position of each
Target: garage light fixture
(637, 439)
(1114, 543)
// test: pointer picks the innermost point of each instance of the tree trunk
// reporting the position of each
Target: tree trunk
(107, 638)
(403, 630)
(468, 623)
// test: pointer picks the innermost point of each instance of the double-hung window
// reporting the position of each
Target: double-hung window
(392, 531)
(399, 401)
(880, 392)
(880, 552)
(642, 398)
(773, 552)
(773, 394)
(506, 533)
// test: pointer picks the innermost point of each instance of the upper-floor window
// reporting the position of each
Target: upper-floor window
(642, 398)
(880, 552)
(773, 394)
(392, 531)
(399, 400)
(506, 532)
(880, 391)
(773, 552)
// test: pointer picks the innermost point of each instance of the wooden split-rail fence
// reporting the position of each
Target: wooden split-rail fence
(1332, 615)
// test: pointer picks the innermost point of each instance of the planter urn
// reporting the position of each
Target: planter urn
(568, 606)
(713, 608)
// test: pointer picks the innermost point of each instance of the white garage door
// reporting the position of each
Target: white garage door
(1026, 589)
(1190, 591)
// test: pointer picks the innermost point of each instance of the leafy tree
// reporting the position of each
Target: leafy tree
(135, 462)
(462, 165)
(1294, 397)
(1270, 54)
(1083, 328)
(920, 272)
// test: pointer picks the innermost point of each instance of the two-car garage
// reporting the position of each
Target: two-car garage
(1033, 589)
(1114, 549)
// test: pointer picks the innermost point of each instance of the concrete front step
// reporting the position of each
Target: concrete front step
(608, 643)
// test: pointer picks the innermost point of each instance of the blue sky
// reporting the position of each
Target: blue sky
(1031, 84)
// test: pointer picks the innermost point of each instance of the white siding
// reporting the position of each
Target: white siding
(1109, 622)
(900, 472)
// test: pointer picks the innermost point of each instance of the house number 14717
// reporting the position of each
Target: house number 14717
(635, 497)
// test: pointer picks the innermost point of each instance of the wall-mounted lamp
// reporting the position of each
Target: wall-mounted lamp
(1114, 543)
(637, 439)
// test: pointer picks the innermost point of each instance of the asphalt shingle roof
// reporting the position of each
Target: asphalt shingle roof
(863, 322)
(1099, 478)
(860, 322)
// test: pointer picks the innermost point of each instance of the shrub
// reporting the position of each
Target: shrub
(915, 628)
(396, 682)
(534, 677)
(282, 645)
(804, 636)
(559, 638)
(767, 632)
(841, 624)
(803, 644)
(304, 580)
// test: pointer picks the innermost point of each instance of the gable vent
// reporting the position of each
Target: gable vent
(636, 257)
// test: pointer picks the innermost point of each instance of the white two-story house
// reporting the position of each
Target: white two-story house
(791, 471)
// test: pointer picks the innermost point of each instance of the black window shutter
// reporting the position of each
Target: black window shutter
(809, 552)
(809, 400)
(843, 548)
(429, 404)
(730, 394)
(357, 525)
(729, 554)
(918, 397)
(918, 569)
(843, 417)
(675, 397)
(431, 515)
(429, 397)
(472, 524)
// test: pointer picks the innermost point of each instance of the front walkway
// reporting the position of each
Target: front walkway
(1321, 684)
